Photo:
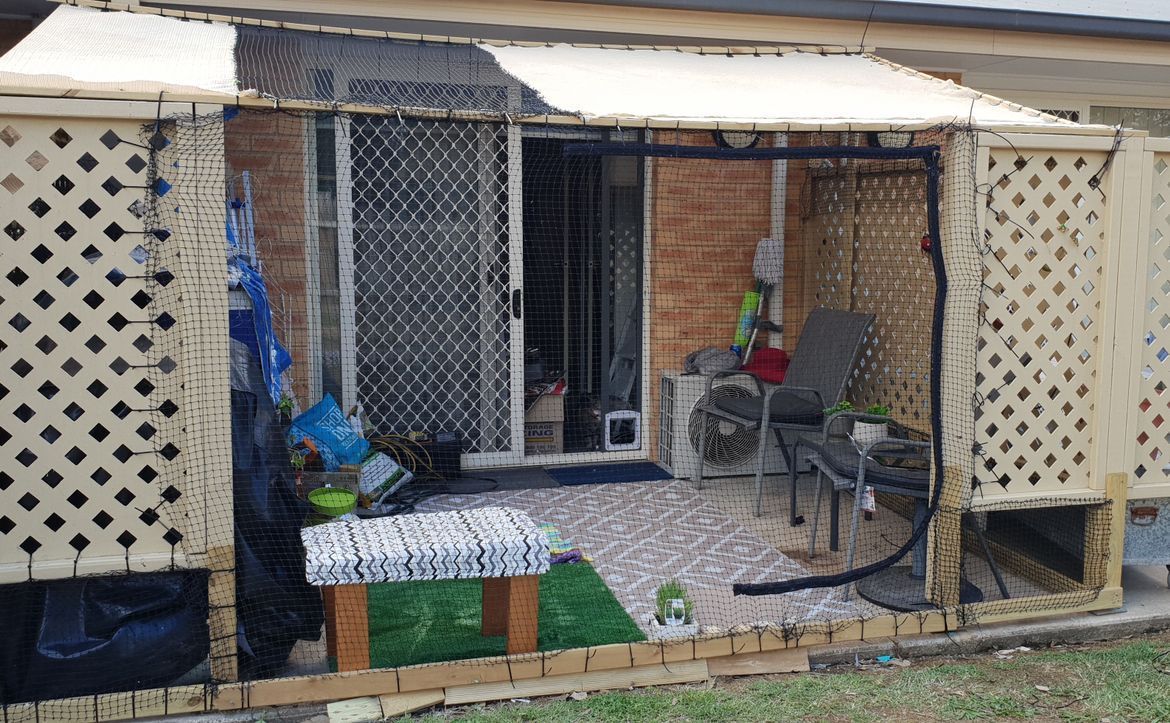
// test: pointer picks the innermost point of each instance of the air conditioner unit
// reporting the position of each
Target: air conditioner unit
(731, 450)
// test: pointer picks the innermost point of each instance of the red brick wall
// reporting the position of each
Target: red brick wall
(707, 217)
(271, 146)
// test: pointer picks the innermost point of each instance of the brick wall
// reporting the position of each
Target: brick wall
(272, 146)
(707, 217)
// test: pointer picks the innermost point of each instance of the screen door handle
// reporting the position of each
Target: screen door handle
(517, 303)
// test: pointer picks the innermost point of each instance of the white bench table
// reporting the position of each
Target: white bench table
(499, 545)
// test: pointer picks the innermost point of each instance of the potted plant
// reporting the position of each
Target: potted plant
(674, 615)
(296, 458)
(842, 406)
(284, 409)
(866, 433)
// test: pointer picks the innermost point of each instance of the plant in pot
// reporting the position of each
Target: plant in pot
(674, 614)
(842, 406)
(284, 409)
(865, 432)
(297, 458)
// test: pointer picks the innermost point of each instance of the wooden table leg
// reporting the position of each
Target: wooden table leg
(523, 613)
(347, 626)
(327, 599)
(496, 591)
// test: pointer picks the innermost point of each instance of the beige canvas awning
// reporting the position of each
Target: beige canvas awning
(83, 52)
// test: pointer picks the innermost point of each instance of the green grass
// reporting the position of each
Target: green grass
(427, 622)
(1117, 682)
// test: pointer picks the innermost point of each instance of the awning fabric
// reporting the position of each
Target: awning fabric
(78, 49)
(807, 88)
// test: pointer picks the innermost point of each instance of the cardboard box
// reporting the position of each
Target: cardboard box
(544, 426)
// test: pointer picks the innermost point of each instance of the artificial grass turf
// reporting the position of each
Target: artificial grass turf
(428, 622)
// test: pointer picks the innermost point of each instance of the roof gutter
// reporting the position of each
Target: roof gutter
(922, 14)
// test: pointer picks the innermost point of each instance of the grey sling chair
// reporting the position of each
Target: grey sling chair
(825, 357)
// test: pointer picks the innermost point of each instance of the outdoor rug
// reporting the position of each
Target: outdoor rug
(613, 472)
(640, 535)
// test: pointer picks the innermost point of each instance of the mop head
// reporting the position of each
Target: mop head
(768, 265)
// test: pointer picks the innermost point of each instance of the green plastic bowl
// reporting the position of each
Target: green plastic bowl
(332, 501)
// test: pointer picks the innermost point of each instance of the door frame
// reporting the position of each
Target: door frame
(643, 453)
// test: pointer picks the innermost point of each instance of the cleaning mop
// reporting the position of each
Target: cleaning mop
(768, 268)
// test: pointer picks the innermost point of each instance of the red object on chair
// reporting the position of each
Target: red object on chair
(768, 364)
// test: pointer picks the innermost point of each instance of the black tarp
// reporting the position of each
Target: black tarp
(275, 606)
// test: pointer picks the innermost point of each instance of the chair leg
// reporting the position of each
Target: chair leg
(835, 520)
(790, 457)
(702, 447)
(793, 517)
(761, 458)
(812, 534)
(1003, 589)
(858, 493)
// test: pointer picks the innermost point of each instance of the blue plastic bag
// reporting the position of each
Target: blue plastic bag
(274, 359)
(326, 427)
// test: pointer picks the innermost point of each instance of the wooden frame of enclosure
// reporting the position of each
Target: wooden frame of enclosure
(1121, 224)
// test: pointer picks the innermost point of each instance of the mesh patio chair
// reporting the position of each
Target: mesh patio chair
(897, 464)
(825, 357)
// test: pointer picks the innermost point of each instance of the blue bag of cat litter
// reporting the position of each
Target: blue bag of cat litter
(326, 427)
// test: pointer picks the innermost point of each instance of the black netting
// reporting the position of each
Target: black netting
(339, 392)
(330, 68)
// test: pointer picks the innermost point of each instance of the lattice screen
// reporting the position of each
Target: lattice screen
(864, 228)
(829, 233)
(1037, 357)
(1153, 412)
(90, 405)
(429, 204)
(891, 221)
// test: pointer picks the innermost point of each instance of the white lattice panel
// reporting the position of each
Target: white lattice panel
(829, 234)
(1151, 464)
(894, 281)
(89, 468)
(864, 232)
(1038, 343)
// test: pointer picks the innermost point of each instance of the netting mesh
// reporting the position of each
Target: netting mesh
(305, 393)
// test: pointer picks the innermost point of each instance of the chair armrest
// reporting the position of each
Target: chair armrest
(855, 416)
(734, 373)
(902, 444)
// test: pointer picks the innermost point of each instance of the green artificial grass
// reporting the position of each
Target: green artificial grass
(428, 622)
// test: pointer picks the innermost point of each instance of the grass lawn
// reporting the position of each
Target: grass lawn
(427, 622)
(1115, 682)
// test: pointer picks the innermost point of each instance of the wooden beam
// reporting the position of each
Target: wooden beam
(686, 672)
(1041, 606)
(400, 704)
(347, 626)
(494, 606)
(1116, 487)
(773, 661)
(523, 608)
(747, 651)
(355, 710)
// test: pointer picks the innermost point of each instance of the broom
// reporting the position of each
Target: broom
(768, 268)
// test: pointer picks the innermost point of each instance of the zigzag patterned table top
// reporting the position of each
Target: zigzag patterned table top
(486, 542)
